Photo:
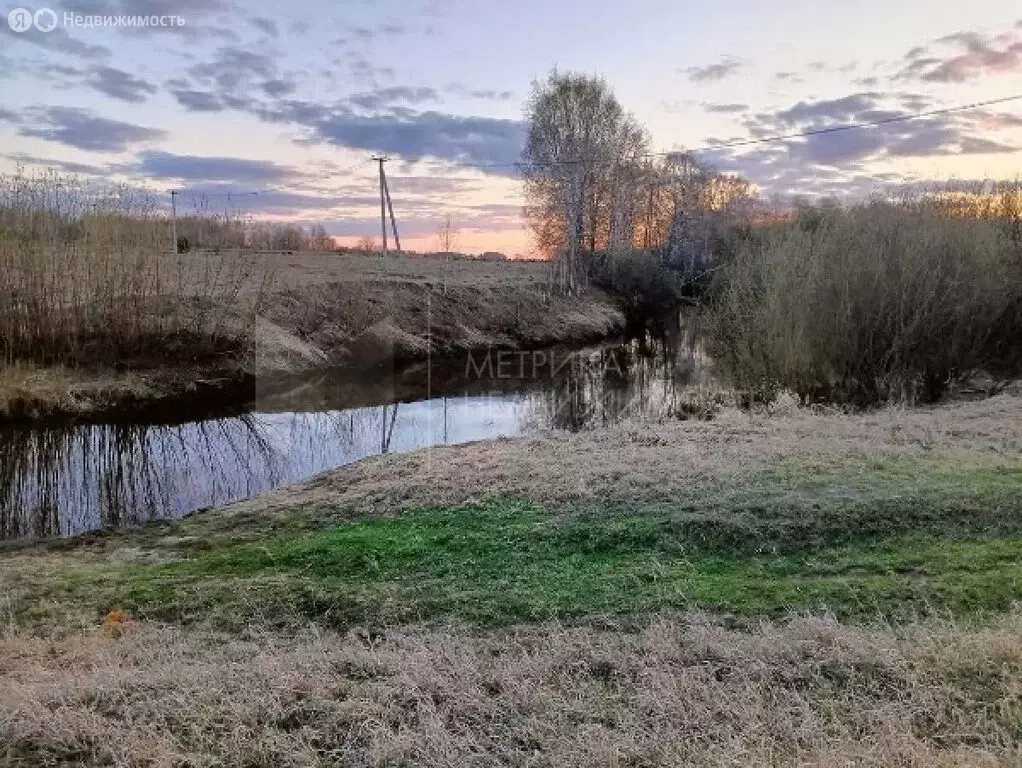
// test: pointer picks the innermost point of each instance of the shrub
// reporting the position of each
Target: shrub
(647, 288)
(86, 278)
(880, 301)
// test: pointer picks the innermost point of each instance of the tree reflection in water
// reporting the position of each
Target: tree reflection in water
(56, 481)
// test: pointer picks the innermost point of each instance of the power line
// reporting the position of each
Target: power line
(730, 144)
(267, 190)
(847, 126)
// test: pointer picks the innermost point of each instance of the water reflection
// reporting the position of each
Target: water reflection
(64, 480)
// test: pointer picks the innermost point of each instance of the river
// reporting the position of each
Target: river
(67, 480)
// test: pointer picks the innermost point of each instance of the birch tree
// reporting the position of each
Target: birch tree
(580, 143)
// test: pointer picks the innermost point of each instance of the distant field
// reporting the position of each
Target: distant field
(309, 267)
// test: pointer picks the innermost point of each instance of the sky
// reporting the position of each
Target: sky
(290, 100)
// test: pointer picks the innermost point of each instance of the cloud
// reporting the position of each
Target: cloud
(789, 77)
(165, 165)
(364, 72)
(927, 136)
(265, 25)
(83, 129)
(279, 87)
(824, 162)
(120, 84)
(197, 101)
(482, 94)
(995, 121)
(725, 109)
(810, 112)
(974, 55)
(233, 67)
(83, 169)
(454, 138)
(368, 34)
(727, 66)
(57, 40)
(383, 98)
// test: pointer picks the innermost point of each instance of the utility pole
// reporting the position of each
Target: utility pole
(383, 210)
(173, 221)
(385, 205)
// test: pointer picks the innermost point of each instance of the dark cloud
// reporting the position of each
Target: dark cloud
(973, 55)
(383, 98)
(364, 72)
(486, 94)
(789, 77)
(456, 139)
(120, 84)
(305, 113)
(278, 87)
(192, 168)
(398, 130)
(725, 109)
(83, 129)
(822, 163)
(995, 121)
(825, 66)
(233, 67)
(368, 34)
(197, 101)
(811, 112)
(57, 40)
(82, 169)
(268, 26)
(727, 66)
(433, 185)
(491, 95)
(6, 116)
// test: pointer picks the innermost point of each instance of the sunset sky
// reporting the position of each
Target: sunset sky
(290, 99)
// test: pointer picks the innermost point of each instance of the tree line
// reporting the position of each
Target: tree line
(592, 185)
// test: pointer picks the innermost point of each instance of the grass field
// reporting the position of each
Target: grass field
(786, 587)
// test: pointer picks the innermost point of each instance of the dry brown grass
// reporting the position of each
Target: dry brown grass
(651, 462)
(683, 691)
(323, 310)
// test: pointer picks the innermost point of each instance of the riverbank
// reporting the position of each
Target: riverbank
(324, 311)
(785, 585)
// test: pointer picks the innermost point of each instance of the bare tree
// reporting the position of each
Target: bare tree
(448, 237)
(319, 240)
(367, 244)
(446, 241)
(579, 144)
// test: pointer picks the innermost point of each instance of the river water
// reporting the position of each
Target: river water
(60, 481)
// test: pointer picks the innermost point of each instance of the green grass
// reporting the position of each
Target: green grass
(893, 540)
